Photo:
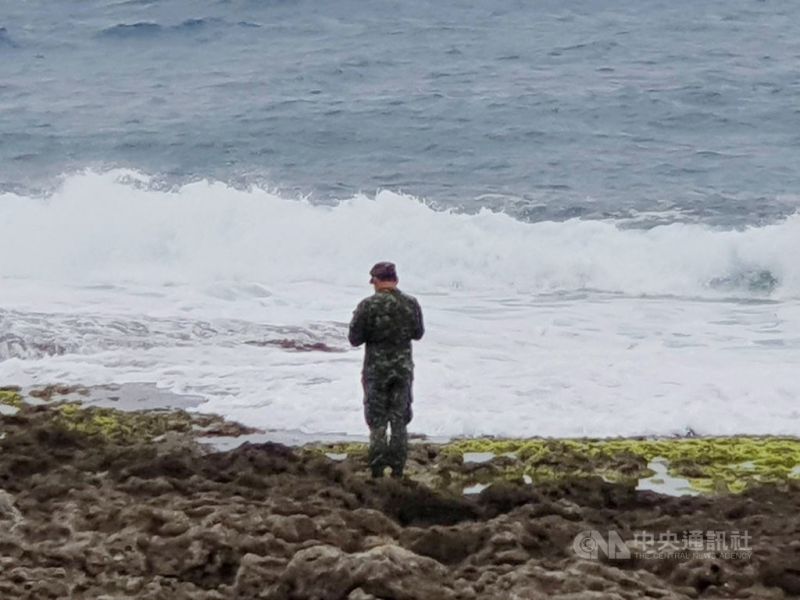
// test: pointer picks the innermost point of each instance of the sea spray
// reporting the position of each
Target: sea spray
(112, 227)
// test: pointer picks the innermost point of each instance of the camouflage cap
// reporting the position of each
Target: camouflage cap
(383, 271)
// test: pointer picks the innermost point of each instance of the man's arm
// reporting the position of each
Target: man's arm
(358, 325)
(419, 327)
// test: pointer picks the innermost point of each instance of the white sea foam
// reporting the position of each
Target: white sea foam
(102, 228)
(573, 328)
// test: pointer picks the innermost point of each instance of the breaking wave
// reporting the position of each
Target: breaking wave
(114, 227)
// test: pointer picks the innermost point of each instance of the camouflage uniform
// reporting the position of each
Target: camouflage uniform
(387, 322)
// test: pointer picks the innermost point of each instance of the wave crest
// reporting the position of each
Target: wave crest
(112, 227)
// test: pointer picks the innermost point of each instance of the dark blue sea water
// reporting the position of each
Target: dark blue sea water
(545, 109)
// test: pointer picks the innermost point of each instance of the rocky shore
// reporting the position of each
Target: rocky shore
(97, 503)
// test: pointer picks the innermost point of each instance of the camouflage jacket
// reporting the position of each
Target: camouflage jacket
(387, 321)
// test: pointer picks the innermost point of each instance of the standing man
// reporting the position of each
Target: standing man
(387, 321)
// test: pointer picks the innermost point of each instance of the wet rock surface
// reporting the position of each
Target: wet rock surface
(93, 507)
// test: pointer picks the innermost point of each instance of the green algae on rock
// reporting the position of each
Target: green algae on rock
(116, 425)
(729, 464)
(10, 397)
(351, 449)
(138, 426)
(710, 465)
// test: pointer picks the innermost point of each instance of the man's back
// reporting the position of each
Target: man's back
(387, 321)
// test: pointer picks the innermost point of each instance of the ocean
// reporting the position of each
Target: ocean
(595, 203)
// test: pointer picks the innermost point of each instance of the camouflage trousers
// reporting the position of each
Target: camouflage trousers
(387, 404)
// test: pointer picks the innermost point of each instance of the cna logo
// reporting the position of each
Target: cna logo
(591, 544)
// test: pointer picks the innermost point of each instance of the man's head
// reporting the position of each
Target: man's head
(383, 276)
